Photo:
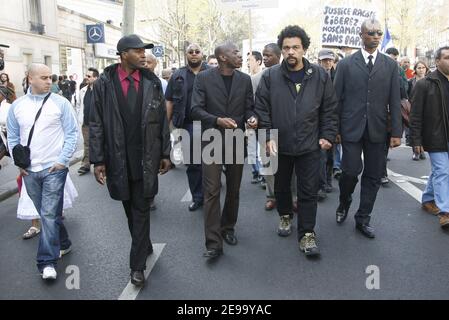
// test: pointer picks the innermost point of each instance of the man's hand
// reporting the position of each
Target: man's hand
(164, 166)
(338, 139)
(252, 123)
(325, 145)
(57, 167)
(395, 142)
(23, 172)
(272, 148)
(226, 123)
(100, 174)
(418, 149)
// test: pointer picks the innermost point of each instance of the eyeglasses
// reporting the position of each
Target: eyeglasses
(295, 48)
(373, 33)
(194, 51)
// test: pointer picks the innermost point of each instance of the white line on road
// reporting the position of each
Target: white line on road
(187, 197)
(401, 182)
(131, 291)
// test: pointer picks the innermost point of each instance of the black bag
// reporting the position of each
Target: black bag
(20, 153)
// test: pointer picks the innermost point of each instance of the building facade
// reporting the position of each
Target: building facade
(30, 28)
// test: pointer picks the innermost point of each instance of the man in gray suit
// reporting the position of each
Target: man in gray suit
(222, 100)
(367, 86)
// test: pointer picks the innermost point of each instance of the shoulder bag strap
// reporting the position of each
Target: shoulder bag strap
(37, 117)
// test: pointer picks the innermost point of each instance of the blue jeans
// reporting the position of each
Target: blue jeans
(46, 190)
(438, 185)
(337, 156)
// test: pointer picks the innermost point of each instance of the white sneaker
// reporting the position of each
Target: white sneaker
(64, 252)
(49, 273)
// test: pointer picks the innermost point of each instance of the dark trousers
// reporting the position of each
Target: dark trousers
(137, 211)
(307, 169)
(194, 171)
(372, 166)
(216, 222)
(327, 166)
(387, 150)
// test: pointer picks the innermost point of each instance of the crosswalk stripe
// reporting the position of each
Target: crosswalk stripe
(403, 183)
(131, 291)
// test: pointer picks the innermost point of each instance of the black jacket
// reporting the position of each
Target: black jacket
(107, 140)
(428, 118)
(301, 119)
(210, 101)
(368, 99)
(179, 85)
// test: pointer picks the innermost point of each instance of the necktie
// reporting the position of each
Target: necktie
(132, 94)
(370, 63)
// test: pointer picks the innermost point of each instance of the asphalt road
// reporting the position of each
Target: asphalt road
(410, 251)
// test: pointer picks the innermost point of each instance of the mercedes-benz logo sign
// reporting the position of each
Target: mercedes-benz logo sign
(95, 34)
(158, 50)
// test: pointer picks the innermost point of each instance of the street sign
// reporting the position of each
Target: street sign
(251, 4)
(95, 33)
(158, 51)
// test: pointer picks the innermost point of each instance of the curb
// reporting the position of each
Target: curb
(9, 189)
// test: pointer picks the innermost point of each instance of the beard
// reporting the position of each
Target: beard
(292, 64)
(194, 64)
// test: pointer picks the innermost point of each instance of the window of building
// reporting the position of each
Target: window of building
(47, 61)
(36, 17)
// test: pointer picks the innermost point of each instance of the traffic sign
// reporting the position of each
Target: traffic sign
(158, 51)
(95, 33)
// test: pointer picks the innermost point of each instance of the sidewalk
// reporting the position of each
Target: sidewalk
(8, 174)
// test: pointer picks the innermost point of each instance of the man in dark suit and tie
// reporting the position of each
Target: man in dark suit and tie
(222, 100)
(367, 86)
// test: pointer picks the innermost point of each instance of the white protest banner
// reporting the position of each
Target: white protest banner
(342, 25)
(251, 4)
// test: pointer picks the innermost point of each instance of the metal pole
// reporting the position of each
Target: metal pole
(129, 9)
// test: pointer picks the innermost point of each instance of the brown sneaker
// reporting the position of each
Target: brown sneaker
(270, 205)
(444, 220)
(431, 207)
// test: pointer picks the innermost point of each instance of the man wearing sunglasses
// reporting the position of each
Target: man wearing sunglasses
(367, 86)
(83, 105)
(178, 97)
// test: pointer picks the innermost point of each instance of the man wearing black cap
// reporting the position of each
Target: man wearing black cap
(130, 142)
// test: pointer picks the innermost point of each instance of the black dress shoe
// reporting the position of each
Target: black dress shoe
(195, 206)
(230, 239)
(150, 250)
(366, 230)
(137, 278)
(213, 253)
(342, 211)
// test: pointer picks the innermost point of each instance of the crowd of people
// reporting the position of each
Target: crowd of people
(319, 119)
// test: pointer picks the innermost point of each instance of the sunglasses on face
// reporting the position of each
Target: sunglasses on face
(373, 33)
(194, 51)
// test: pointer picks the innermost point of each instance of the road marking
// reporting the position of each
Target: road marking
(131, 291)
(187, 197)
(401, 182)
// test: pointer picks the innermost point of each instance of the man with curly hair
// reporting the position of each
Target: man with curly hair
(297, 98)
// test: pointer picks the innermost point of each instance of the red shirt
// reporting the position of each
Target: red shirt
(409, 74)
(123, 75)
